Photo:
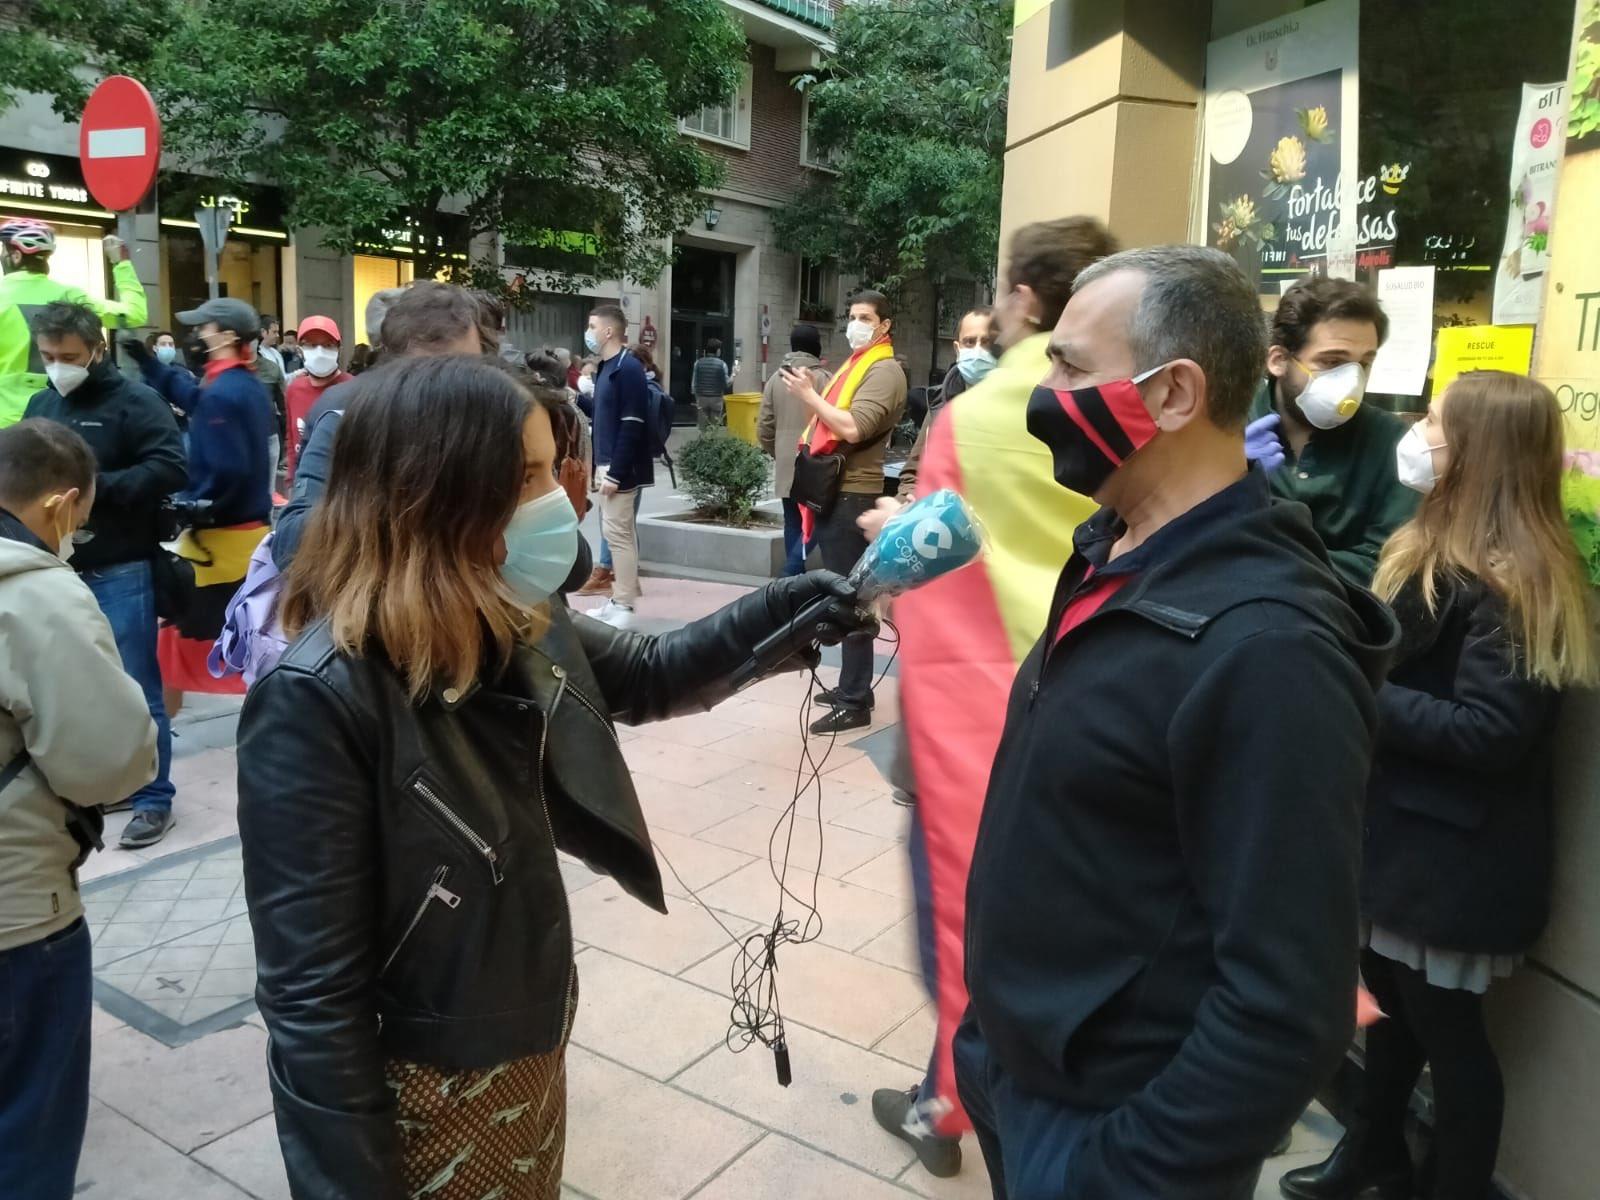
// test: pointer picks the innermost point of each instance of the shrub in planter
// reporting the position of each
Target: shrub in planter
(724, 476)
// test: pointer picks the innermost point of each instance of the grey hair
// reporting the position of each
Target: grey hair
(1196, 304)
(377, 308)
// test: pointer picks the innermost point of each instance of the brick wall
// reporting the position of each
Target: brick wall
(771, 167)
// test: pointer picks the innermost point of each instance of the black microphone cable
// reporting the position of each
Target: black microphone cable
(756, 1014)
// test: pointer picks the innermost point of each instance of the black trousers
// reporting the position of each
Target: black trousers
(1442, 1027)
(842, 544)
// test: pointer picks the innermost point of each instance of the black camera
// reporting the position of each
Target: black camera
(191, 514)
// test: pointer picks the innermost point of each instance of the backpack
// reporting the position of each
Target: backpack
(251, 641)
(658, 422)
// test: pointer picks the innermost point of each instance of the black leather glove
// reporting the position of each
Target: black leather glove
(830, 623)
(137, 350)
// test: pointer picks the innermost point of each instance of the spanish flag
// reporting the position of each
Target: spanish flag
(841, 390)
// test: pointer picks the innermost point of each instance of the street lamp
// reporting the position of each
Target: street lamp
(713, 215)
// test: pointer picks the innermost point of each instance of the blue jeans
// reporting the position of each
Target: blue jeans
(127, 596)
(46, 998)
(1027, 1141)
(605, 546)
(794, 539)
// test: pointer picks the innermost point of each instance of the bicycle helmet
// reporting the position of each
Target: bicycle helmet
(28, 236)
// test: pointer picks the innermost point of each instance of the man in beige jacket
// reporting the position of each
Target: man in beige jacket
(75, 733)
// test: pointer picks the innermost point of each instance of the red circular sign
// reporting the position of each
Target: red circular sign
(1540, 133)
(119, 143)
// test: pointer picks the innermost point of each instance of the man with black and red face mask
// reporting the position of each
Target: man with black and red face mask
(1161, 914)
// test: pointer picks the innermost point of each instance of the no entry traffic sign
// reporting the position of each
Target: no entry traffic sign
(119, 143)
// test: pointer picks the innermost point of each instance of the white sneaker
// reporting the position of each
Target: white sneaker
(618, 616)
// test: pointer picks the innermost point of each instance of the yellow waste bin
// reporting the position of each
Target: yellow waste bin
(743, 409)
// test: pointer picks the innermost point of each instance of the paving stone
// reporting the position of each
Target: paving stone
(830, 990)
(679, 808)
(643, 1019)
(889, 873)
(911, 1042)
(777, 1168)
(694, 864)
(782, 749)
(632, 1138)
(121, 1161)
(187, 1096)
(896, 946)
(774, 788)
(850, 915)
(880, 816)
(680, 764)
(828, 1105)
(761, 834)
(605, 916)
(251, 1158)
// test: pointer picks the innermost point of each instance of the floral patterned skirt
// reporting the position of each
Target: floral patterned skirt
(495, 1134)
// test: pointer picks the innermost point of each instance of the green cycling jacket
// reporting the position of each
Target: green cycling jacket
(23, 293)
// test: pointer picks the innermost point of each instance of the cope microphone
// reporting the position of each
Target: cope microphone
(927, 539)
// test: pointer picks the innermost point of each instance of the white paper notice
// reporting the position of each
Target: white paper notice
(1401, 368)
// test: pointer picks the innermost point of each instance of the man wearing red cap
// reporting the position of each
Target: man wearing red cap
(319, 346)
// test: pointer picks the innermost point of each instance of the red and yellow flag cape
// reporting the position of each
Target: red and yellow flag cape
(841, 391)
(963, 637)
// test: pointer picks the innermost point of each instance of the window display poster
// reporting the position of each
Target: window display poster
(1464, 348)
(1569, 330)
(1279, 189)
(1401, 368)
(1535, 163)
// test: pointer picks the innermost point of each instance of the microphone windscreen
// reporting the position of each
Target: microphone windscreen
(928, 538)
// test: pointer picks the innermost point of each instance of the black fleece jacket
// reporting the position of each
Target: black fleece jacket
(138, 453)
(1162, 908)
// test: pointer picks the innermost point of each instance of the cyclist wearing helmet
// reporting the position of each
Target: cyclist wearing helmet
(25, 249)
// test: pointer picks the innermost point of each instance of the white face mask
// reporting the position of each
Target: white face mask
(1413, 459)
(66, 378)
(321, 360)
(586, 384)
(1333, 396)
(859, 333)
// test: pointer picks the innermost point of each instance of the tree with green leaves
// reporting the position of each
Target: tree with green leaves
(538, 119)
(912, 108)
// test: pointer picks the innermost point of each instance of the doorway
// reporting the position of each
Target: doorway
(702, 309)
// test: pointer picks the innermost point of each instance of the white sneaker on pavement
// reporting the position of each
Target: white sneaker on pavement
(618, 616)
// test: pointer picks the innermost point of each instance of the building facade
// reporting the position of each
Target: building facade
(728, 280)
(1409, 146)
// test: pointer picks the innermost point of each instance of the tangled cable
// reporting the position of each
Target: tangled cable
(756, 1014)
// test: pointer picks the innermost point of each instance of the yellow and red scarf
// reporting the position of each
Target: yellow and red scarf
(818, 438)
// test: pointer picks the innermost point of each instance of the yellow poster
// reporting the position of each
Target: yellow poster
(1463, 348)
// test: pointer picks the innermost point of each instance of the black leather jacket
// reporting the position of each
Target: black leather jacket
(400, 861)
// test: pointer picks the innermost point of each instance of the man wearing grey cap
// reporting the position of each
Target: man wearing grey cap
(230, 422)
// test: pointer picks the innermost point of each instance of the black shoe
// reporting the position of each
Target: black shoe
(146, 829)
(897, 1112)
(842, 719)
(826, 698)
(1347, 1173)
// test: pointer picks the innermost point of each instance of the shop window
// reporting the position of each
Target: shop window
(728, 121)
(1332, 146)
(372, 275)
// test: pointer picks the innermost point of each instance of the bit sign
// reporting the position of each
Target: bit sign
(119, 143)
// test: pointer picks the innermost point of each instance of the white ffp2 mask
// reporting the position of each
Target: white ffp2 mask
(1413, 460)
(1333, 396)
(66, 378)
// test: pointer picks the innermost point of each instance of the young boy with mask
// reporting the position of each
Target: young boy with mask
(1312, 432)
(319, 350)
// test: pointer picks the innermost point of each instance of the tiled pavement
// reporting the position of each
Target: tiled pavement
(660, 1109)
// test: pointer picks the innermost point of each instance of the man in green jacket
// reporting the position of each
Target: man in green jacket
(25, 249)
(1315, 437)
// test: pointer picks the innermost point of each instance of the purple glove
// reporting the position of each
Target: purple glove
(1261, 443)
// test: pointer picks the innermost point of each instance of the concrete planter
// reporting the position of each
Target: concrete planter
(679, 540)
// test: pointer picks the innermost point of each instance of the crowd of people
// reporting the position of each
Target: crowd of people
(1255, 683)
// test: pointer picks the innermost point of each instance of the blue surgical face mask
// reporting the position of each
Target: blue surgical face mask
(541, 546)
(166, 354)
(591, 339)
(974, 362)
